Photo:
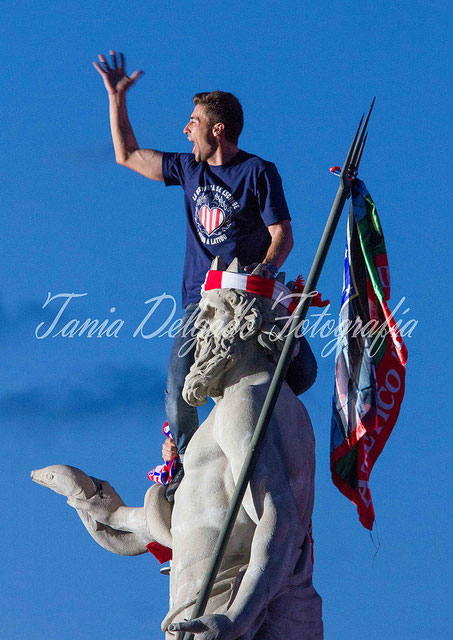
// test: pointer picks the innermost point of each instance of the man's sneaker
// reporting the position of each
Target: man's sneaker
(174, 484)
(165, 571)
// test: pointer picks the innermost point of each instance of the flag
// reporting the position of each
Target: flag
(370, 358)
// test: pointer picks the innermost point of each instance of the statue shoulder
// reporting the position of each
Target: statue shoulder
(245, 398)
(243, 401)
(236, 417)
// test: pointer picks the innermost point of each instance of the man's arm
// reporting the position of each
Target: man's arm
(148, 162)
(281, 244)
(279, 249)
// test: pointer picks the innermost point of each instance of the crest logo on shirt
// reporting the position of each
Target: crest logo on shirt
(213, 213)
(211, 219)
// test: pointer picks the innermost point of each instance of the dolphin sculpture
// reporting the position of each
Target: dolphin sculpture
(117, 528)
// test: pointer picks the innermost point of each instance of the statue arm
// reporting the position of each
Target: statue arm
(140, 524)
(116, 527)
(123, 543)
(275, 547)
(274, 550)
(270, 503)
(278, 503)
(129, 519)
(121, 530)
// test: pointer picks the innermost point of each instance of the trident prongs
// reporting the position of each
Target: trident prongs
(359, 145)
(351, 149)
(361, 151)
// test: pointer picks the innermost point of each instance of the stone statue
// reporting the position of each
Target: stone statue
(263, 590)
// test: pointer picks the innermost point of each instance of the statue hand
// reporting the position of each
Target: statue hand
(96, 510)
(209, 627)
(114, 76)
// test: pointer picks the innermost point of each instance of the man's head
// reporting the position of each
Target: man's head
(217, 118)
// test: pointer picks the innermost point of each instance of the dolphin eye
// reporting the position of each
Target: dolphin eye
(49, 476)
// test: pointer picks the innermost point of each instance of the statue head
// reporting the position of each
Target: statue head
(233, 319)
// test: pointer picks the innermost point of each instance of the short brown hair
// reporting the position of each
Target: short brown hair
(224, 107)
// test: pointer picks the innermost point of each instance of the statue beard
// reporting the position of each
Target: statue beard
(214, 356)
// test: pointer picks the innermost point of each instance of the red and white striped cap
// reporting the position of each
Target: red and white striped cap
(266, 287)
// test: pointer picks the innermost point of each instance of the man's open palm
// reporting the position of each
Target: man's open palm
(114, 74)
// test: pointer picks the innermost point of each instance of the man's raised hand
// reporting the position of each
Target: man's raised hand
(114, 75)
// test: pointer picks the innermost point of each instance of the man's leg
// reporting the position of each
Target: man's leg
(182, 418)
(303, 369)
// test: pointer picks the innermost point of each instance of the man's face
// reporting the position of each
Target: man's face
(199, 132)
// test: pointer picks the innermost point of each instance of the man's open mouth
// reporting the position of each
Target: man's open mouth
(194, 145)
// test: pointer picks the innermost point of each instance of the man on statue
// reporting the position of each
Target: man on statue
(235, 207)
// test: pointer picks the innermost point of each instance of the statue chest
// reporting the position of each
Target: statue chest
(203, 497)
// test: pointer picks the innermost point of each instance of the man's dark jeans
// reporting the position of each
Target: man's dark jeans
(183, 418)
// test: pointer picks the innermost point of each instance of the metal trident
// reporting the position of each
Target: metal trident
(352, 162)
(347, 173)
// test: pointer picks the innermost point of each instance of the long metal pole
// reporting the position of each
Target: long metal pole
(350, 165)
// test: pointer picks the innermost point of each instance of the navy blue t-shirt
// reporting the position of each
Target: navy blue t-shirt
(228, 207)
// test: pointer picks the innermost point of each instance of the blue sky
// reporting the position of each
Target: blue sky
(74, 221)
